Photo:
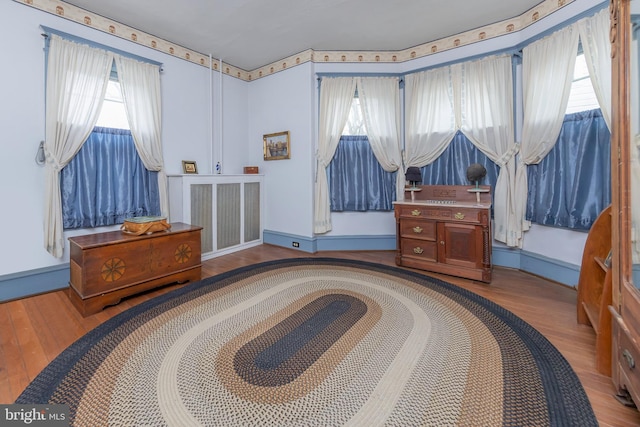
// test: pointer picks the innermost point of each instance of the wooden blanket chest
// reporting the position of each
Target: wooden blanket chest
(106, 267)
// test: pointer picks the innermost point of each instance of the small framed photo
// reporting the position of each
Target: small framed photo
(276, 146)
(189, 166)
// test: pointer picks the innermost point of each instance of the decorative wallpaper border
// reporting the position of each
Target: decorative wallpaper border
(100, 23)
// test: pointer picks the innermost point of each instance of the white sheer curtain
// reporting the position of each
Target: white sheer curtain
(486, 118)
(336, 96)
(594, 34)
(380, 101)
(77, 77)
(547, 74)
(430, 119)
(140, 83)
(477, 98)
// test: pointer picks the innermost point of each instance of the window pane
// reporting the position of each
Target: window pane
(355, 123)
(581, 70)
(582, 96)
(113, 114)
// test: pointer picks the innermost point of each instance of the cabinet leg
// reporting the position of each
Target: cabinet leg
(625, 398)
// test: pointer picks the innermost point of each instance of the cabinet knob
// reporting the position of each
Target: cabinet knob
(416, 212)
(442, 242)
(417, 230)
(459, 215)
(418, 250)
(629, 358)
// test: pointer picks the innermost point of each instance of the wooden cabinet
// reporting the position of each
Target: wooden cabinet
(625, 192)
(227, 207)
(445, 230)
(626, 347)
(594, 288)
(106, 267)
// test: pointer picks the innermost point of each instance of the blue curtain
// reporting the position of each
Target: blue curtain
(451, 167)
(572, 184)
(107, 182)
(357, 182)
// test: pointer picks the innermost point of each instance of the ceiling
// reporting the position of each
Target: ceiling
(249, 34)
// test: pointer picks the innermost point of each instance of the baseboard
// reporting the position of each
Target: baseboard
(549, 268)
(34, 282)
(356, 243)
(286, 240)
(540, 265)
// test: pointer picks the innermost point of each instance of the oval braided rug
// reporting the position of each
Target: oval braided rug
(315, 342)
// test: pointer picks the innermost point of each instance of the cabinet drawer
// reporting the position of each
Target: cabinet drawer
(628, 361)
(418, 229)
(423, 249)
(448, 213)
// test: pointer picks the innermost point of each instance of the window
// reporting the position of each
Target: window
(75, 76)
(355, 123)
(113, 114)
(451, 167)
(572, 184)
(582, 96)
(357, 182)
(106, 182)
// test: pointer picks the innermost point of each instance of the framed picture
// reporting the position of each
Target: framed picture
(189, 166)
(276, 146)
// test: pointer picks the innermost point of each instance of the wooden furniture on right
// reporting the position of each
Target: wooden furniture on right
(594, 288)
(442, 228)
(625, 188)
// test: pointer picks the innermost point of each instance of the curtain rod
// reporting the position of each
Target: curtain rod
(328, 74)
(320, 76)
(402, 76)
(81, 40)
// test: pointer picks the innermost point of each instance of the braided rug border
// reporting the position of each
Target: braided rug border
(566, 399)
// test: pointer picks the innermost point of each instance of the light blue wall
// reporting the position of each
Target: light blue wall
(225, 125)
(191, 126)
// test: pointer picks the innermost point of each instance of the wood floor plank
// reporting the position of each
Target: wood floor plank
(24, 357)
(28, 339)
(54, 330)
(547, 306)
(13, 372)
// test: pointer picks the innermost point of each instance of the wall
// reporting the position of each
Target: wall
(281, 102)
(227, 127)
(561, 249)
(187, 109)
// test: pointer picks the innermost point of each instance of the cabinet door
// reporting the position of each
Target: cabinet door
(252, 230)
(201, 202)
(460, 244)
(228, 217)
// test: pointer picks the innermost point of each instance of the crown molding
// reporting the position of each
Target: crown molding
(100, 23)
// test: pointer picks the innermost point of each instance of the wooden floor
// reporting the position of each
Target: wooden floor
(34, 330)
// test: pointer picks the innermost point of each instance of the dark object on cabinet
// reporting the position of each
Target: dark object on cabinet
(475, 172)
